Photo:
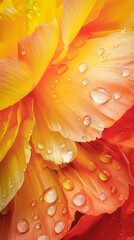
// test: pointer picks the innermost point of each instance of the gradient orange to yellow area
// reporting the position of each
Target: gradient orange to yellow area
(66, 119)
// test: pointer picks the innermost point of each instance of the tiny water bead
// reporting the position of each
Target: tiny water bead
(41, 146)
(101, 51)
(62, 145)
(91, 166)
(36, 6)
(103, 196)
(64, 210)
(121, 197)
(83, 67)
(36, 217)
(126, 72)
(67, 156)
(38, 226)
(85, 81)
(113, 189)
(59, 227)
(85, 209)
(34, 203)
(23, 226)
(117, 95)
(68, 184)
(30, 14)
(43, 237)
(104, 175)
(106, 158)
(61, 69)
(87, 120)
(50, 149)
(51, 210)
(100, 95)
(79, 199)
(50, 195)
(23, 52)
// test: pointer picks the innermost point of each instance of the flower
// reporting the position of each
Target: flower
(71, 77)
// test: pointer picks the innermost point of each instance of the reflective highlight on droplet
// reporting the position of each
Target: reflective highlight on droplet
(68, 184)
(50, 195)
(43, 237)
(106, 158)
(67, 156)
(83, 67)
(87, 120)
(104, 175)
(100, 95)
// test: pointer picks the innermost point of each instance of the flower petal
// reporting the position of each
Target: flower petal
(51, 145)
(75, 12)
(91, 88)
(41, 204)
(19, 77)
(14, 163)
(97, 180)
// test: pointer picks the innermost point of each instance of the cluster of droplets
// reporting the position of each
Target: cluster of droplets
(34, 11)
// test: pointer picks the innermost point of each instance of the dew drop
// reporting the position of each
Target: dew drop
(41, 146)
(30, 13)
(100, 95)
(100, 51)
(91, 166)
(118, 167)
(51, 210)
(72, 55)
(104, 58)
(117, 95)
(83, 67)
(79, 42)
(23, 52)
(121, 197)
(113, 189)
(59, 227)
(23, 226)
(43, 237)
(49, 149)
(67, 156)
(61, 69)
(69, 79)
(50, 195)
(62, 145)
(103, 196)
(104, 175)
(68, 184)
(64, 210)
(106, 158)
(87, 120)
(34, 203)
(126, 72)
(79, 199)
(85, 209)
(36, 217)
(83, 139)
(55, 95)
(41, 198)
(115, 45)
(36, 6)
(85, 82)
(38, 226)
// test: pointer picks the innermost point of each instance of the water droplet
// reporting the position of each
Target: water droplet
(51, 210)
(61, 69)
(103, 196)
(62, 145)
(69, 79)
(68, 184)
(36, 217)
(41, 146)
(83, 67)
(79, 199)
(118, 167)
(83, 139)
(79, 42)
(23, 52)
(59, 227)
(126, 72)
(85, 209)
(115, 45)
(100, 95)
(106, 158)
(113, 189)
(55, 95)
(121, 197)
(104, 58)
(23, 226)
(41, 198)
(101, 51)
(72, 55)
(34, 203)
(85, 81)
(36, 6)
(50, 149)
(117, 95)
(50, 195)
(104, 175)
(43, 237)
(87, 120)
(91, 166)
(67, 156)
(38, 226)
(30, 14)
(64, 210)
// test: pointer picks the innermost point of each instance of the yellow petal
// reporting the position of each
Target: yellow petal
(14, 164)
(51, 145)
(91, 88)
(74, 15)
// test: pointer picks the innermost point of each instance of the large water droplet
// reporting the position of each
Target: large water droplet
(87, 120)
(100, 95)
(50, 195)
(68, 184)
(104, 175)
(106, 158)
(43, 237)
(113, 189)
(51, 210)
(100, 51)
(67, 156)
(126, 72)
(79, 199)
(59, 227)
(103, 196)
(83, 67)
(61, 69)
(23, 226)
(85, 81)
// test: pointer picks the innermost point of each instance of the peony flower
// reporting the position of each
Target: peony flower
(66, 74)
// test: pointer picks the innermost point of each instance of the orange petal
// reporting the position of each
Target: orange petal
(51, 145)
(91, 88)
(97, 180)
(74, 15)
(114, 15)
(40, 207)
(14, 164)
(26, 72)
